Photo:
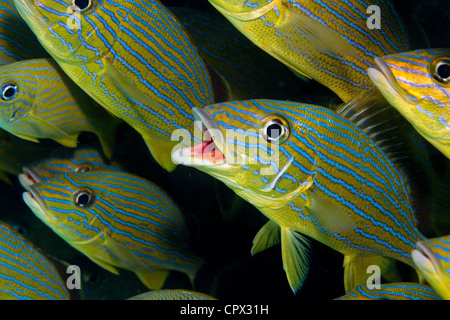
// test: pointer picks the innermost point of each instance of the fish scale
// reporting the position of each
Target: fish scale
(325, 40)
(26, 273)
(132, 224)
(140, 64)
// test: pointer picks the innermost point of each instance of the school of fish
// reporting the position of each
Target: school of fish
(158, 152)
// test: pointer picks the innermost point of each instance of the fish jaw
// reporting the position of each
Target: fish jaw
(35, 202)
(29, 177)
(208, 153)
(431, 268)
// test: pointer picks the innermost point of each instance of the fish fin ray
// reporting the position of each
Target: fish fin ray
(294, 252)
(50, 131)
(153, 279)
(268, 236)
(162, 152)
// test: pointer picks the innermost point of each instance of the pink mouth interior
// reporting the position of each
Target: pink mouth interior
(207, 150)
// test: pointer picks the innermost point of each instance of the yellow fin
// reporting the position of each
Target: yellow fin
(330, 216)
(104, 265)
(25, 137)
(153, 279)
(294, 252)
(107, 137)
(356, 270)
(50, 131)
(124, 257)
(4, 177)
(267, 237)
(162, 152)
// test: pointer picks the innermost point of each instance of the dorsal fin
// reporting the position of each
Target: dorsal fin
(407, 150)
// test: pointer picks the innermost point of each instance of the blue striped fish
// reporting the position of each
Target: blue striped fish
(26, 273)
(393, 291)
(416, 83)
(81, 159)
(328, 41)
(117, 220)
(38, 101)
(310, 172)
(132, 57)
(172, 294)
(432, 258)
(17, 42)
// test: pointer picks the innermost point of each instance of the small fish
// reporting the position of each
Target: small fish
(26, 273)
(173, 294)
(38, 101)
(133, 58)
(17, 42)
(329, 42)
(432, 258)
(310, 172)
(393, 291)
(416, 83)
(63, 160)
(117, 220)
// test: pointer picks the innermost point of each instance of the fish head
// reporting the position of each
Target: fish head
(61, 161)
(432, 258)
(243, 9)
(67, 206)
(251, 148)
(17, 95)
(73, 31)
(417, 84)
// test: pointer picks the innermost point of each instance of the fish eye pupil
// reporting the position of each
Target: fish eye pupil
(274, 131)
(82, 4)
(83, 199)
(9, 91)
(443, 71)
(83, 169)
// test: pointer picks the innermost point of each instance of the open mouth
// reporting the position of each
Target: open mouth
(209, 152)
(384, 79)
(423, 255)
(35, 201)
(28, 178)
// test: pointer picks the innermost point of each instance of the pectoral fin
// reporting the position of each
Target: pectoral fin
(47, 130)
(329, 215)
(267, 237)
(295, 257)
(104, 265)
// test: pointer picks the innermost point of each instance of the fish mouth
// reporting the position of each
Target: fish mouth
(425, 257)
(29, 177)
(35, 202)
(384, 78)
(209, 152)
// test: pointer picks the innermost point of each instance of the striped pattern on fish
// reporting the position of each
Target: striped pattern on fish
(25, 272)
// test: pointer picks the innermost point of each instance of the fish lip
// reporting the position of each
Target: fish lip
(424, 250)
(29, 177)
(185, 156)
(386, 72)
(33, 199)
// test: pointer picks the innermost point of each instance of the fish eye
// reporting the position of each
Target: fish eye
(9, 91)
(275, 129)
(83, 168)
(83, 198)
(440, 68)
(83, 5)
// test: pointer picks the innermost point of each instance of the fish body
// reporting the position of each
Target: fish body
(118, 220)
(432, 258)
(26, 273)
(417, 84)
(17, 42)
(393, 291)
(320, 175)
(172, 294)
(140, 64)
(329, 41)
(64, 160)
(38, 101)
